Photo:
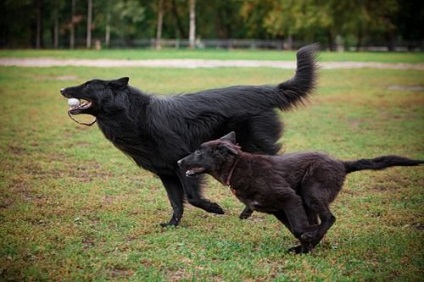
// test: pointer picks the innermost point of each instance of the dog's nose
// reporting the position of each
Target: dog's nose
(180, 162)
(62, 90)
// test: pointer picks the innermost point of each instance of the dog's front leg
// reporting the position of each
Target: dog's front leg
(246, 213)
(175, 192)
(193, 192)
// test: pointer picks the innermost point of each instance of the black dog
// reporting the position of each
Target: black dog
(297, 188)
(158, 131)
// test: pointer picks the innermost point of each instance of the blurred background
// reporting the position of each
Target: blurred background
(382, 25)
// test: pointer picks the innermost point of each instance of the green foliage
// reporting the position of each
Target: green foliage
(382, 21)
(73, 208)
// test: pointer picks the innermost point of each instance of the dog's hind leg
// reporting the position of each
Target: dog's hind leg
(315, 198)
(246, 213)
(327, 220)
(304, 247)
(175, 192)
(192, 188)
(312, 216)
(294, 217)
(260, 133)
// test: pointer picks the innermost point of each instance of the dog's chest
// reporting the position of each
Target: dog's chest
(256, 201)
(143, 151)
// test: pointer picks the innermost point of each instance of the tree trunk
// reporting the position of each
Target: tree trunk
(107, 35)
(192, 31)
(330, 40)
(179, 24)
(72, 27)
(38, 31)
(56, 29)
(390, 41)
(159, 26)
(89, 22)
(359, 41)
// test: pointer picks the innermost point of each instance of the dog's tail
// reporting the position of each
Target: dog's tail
(380, 163)
(297, 89)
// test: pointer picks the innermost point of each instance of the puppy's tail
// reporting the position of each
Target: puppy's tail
(297, 89)
(380, 163)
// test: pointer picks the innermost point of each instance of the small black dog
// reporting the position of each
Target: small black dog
(297, 188)
(158, 131)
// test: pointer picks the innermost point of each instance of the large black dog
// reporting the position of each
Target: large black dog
(157, 131)
(296, 188)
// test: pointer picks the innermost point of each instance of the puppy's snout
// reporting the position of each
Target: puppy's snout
(180, 162)
(62, 90)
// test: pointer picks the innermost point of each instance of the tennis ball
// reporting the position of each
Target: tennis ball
(72, 102)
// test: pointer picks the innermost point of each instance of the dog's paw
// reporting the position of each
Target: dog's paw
(309, 236)
(168, 225)
(215, 208)
(295, 250)
(302, 249)
(245, 215)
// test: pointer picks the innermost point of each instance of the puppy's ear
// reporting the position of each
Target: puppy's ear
(228, 148)
(119, 83)
(230, 137)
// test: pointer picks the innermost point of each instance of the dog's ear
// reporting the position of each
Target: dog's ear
(228, 148)
(119, 83)
(230, 137)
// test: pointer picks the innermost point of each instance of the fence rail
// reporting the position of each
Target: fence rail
(249, 44)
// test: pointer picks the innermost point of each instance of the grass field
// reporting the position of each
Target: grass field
(73, 208)
(217, 54)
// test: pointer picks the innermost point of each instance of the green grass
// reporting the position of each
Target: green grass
(218, 54)
(73, 208)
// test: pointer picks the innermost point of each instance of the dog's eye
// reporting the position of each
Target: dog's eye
(87, 85)
(197, 153)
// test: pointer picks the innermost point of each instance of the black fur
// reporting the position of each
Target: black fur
(297, 188)
(157, 131)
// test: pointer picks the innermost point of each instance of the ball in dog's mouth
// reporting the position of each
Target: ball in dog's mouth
(77, 105)
(73, 102)
(194, 171)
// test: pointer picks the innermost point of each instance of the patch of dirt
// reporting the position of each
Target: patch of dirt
(66, 77)
(413, 88)
(392, 181)
(195, 63)
(17, 150)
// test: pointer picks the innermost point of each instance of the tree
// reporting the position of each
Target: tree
(126, 18)
(160, 24)
(72, 25)
(410, 21)
(39, 24)
(192, 31)
(177, 17)
(89, 22)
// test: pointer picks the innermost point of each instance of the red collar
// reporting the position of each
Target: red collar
(227, 182)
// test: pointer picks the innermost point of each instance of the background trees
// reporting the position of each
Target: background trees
(69, 23)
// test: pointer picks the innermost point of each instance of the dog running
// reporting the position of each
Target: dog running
(296, 188)
(158, 131)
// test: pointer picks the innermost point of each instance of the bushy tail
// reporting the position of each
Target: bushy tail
(297, 89)
(380, 163)
(252, 100)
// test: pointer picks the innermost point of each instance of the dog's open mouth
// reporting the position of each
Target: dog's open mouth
(78, 106)
(83, 105)
(194, 171)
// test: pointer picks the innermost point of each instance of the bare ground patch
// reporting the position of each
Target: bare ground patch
(195, 63)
